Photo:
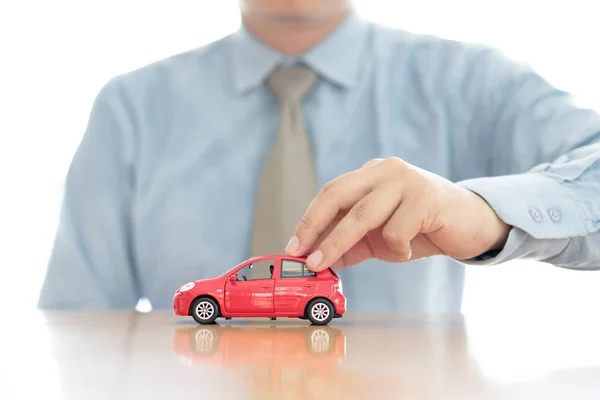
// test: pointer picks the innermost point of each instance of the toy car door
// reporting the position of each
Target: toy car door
(252, 289)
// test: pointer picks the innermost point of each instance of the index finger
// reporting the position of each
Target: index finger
(339, 194)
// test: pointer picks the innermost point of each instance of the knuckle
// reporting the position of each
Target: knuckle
(334, 244)
(396, 242)
(395, 162)
(360, 212)
(305, 222)
(392, 237)
(329, 189)
(372, 161)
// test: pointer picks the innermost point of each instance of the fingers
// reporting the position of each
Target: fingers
(360, 252)
(340, 215)
(402, 227)
(366, 215)
(371, 162)
(339, 194)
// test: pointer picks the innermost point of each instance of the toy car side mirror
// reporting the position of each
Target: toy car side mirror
(233, 278)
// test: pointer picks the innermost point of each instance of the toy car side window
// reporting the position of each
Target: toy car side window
(262, 269)
(308, 272)
(295, 269)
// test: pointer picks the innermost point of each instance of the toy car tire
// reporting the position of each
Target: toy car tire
(205, 310)
(320, 312)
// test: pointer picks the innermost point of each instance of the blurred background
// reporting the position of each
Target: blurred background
(55, 56)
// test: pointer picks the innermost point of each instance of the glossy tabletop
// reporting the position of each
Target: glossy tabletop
(156, 355)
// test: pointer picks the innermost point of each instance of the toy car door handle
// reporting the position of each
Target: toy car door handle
(266, 286)
(308, 285)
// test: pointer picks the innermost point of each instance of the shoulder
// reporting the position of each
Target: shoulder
(169, 76)
(428, 49)
(437, 61)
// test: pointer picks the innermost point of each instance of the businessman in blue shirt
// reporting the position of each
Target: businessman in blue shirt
(394, 157)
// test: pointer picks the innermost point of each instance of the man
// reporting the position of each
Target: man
(411, 147)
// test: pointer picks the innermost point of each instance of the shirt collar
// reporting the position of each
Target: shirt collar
(336, 58)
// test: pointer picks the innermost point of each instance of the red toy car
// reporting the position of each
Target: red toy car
(266, 286)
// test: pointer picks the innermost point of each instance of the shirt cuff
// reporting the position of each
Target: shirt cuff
(541, 212)
(520, 245)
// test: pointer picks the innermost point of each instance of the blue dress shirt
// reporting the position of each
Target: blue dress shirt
(161, 188)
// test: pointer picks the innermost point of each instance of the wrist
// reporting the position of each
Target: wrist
(497, 230)
(501, 235)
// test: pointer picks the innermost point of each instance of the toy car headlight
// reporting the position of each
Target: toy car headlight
(341, 287)
(186, 287)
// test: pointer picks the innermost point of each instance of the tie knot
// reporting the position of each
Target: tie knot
(292, 83)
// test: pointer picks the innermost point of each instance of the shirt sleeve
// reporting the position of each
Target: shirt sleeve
(543, 166)
(91, 264)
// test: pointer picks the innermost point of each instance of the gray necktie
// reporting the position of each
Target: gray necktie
(288, 183)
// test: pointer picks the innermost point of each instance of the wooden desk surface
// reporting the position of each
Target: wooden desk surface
(122, 355)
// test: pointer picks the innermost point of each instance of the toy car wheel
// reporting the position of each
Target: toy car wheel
(205, 310)
(320, 312)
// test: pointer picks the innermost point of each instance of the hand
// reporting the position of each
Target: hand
(394, 211)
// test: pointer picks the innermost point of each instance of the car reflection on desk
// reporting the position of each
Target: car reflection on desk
(264, 355)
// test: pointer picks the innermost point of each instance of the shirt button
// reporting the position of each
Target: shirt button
(536, 214)
(554, 214)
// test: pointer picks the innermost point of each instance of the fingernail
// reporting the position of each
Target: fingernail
(315, 259)
(292, 245)
(409, 255)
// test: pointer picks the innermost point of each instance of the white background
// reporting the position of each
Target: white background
(55, 56)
